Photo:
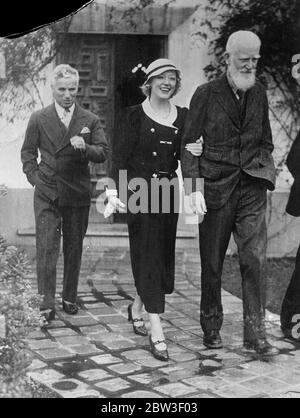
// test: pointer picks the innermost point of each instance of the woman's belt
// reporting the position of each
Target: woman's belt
(164, 174)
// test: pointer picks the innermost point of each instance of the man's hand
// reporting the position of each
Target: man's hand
(195, 148)
(77, 142)
(197, 203)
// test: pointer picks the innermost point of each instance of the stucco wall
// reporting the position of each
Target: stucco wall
(16, 210)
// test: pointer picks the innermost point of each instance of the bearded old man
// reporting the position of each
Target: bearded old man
(67, 137)
(231, 113)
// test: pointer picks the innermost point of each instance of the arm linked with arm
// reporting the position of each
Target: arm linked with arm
(194, 127)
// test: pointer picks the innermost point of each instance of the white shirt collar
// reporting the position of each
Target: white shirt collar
(169, 121)
(60, 110)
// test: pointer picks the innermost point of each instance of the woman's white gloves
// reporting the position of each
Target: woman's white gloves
(114, 203)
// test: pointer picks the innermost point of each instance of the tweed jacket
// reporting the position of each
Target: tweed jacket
(231, 144)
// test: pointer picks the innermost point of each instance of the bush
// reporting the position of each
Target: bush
(19, 311)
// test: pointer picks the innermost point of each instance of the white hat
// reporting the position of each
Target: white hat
(159, 66)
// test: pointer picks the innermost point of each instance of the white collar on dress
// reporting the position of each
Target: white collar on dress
(169, 121)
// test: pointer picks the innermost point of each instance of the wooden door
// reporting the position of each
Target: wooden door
(92, 56)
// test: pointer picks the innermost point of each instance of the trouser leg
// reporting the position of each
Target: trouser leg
(250, 233)
(48, 233)
(74, 226)
(291, 301)
(214, 236)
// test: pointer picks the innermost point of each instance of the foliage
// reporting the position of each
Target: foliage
(26, 57)
(19, 307)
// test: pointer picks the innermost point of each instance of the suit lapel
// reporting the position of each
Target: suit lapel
(75, 125)
(51, 125)
(225, 98)
(251, 105)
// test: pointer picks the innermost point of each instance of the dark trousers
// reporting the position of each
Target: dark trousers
(291, 301)
(152, 240)
(50, 221)
(244, 215)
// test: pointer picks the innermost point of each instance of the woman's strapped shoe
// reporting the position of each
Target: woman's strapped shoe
(162, 355)
(138, 329)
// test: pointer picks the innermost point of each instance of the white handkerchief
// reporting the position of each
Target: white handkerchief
(85, 130)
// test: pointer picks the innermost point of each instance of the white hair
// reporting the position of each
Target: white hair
(242, 38)
(64, 71)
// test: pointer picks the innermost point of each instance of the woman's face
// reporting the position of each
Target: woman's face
(164, 85)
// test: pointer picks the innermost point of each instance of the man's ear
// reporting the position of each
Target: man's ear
(226, 57)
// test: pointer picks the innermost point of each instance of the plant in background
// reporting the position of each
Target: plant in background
(25, 59)
(19, 314)
(277, 24)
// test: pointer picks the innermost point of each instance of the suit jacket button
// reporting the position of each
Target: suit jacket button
(152, 130)
(154, 154)
(176, 132)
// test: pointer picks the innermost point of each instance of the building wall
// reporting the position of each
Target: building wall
(190, 56)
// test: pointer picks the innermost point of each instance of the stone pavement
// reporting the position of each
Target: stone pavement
(95, 354)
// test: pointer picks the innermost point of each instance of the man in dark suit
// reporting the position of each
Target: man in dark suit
(231, 113)
(67, 137)
(291, 302)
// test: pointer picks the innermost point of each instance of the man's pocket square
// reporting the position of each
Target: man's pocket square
(85, 130)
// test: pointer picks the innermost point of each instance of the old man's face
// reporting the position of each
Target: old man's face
(242, 64)
(65, 90)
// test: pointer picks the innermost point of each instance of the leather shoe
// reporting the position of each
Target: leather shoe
(212, 340)
(48, 315)
(261, 346)
(70, 308)
(138, 329)
(162, 355)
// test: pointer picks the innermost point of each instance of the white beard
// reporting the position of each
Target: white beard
(243, 81)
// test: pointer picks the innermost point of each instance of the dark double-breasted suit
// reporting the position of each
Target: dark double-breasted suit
(237, 167)
(291, 301)
(62, 192)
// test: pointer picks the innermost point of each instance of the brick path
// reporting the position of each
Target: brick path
(95, 354)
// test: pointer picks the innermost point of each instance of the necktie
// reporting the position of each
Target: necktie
(66, 117)
(241, 95)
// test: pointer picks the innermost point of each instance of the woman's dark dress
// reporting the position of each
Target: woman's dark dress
(149, 150)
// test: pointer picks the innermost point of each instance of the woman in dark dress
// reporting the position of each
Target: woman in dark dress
(291, 303)
(147, 145)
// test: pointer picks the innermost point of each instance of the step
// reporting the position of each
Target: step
(110, 235)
